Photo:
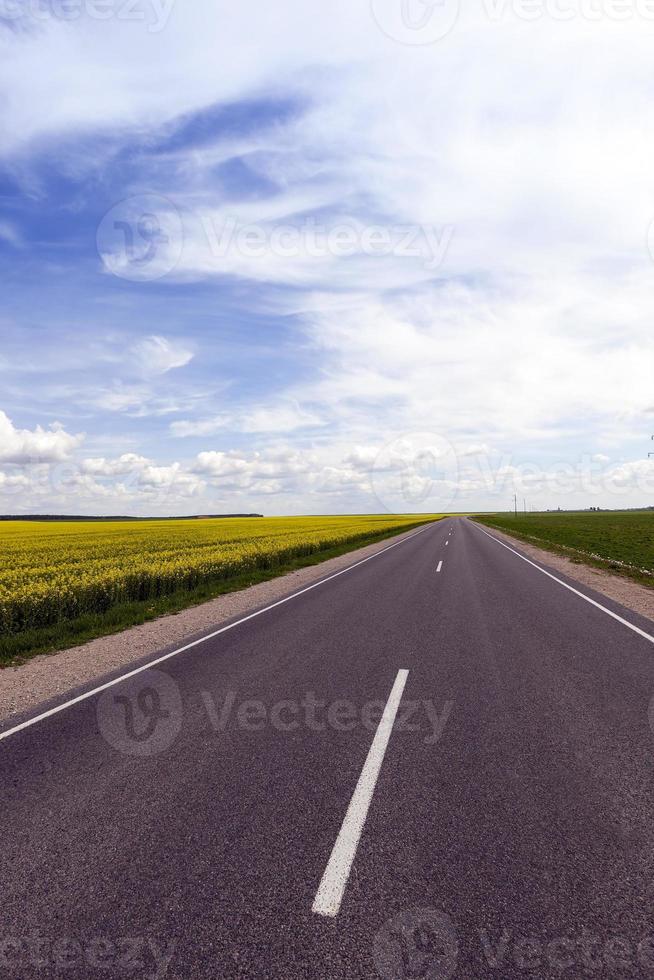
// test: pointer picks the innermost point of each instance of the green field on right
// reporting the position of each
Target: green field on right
(622, 541)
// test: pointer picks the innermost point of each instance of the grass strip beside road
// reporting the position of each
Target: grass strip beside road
(621, 542)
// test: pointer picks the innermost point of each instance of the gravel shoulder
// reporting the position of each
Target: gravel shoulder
(25, 687)
(628, 593)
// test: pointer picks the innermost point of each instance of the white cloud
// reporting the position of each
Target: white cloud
(127, 463)
(533, 337)
(145, 476)
(277, 418)
(121, 398)
(638, 474)
(35, 445)
(158, 355)
(362, 457)
(10, 234)
(208, 50)
(271, 463)
(513, 365)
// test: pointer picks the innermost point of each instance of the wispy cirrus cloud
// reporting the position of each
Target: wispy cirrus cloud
(280, 418)
(158, 355)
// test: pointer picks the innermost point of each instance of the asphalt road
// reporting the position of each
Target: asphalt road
(239, 810)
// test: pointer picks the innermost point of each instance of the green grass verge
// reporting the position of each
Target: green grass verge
(621, 542)
(19, 647)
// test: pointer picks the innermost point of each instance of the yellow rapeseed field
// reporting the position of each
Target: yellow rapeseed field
(53, 572)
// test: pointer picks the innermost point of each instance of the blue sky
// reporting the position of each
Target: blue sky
(324, 260)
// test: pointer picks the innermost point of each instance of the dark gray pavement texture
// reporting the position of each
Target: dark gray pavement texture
(178, 823)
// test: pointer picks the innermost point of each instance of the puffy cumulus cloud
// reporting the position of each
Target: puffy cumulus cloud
(362, 457)
(143, 475)
(13, 482)
(170, 478)
(581, 481)
(340, 479)
(220, 465)
(24, 446)
(281, 465)
(635, 474)
(421, 473)
(311, 475)
(129, 484)
(127, 463)
(50, 488)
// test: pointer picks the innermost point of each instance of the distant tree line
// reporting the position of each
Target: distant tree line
(117, 517)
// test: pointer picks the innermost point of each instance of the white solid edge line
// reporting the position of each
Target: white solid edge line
(203, 639)
(334, 881)
(598, 605)
(440, 565)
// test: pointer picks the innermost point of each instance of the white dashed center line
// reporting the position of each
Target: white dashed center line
(334, 881)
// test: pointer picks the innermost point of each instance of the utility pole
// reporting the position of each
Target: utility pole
(650, 454)
(524, 503)
(515, 503)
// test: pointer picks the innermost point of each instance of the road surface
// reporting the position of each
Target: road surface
(438, 763)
